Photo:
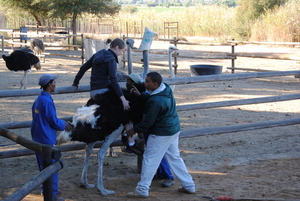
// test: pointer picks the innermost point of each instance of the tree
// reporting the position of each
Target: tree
(37, 8)
(76, 8)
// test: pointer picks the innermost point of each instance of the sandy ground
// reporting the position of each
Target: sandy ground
(260, 163)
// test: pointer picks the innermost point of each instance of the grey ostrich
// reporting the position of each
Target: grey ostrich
(37, 46)
(171, 49)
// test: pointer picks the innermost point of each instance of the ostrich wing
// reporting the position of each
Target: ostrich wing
(17, 61)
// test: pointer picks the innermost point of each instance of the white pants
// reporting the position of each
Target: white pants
(157, 148)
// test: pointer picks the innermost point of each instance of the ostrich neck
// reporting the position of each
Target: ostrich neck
(170, 64)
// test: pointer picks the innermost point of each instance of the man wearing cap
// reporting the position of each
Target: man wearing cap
(136, 80)
(45, 122)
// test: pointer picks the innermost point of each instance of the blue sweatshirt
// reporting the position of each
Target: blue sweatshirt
(44, 120)
(104, 71)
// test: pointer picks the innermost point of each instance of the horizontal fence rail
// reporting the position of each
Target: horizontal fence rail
(35, 182)
(48, 153)
(171, 81)
(56, 152)
(186, 107)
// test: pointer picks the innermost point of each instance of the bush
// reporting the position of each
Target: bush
(129, 9)
(151, 4)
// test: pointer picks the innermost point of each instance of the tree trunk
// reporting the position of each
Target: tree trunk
(74, 27)
(38, 22)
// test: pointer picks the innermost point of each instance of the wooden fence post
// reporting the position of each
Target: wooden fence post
(82, 49)
(232, 60)
(175, 58)
(48, 184)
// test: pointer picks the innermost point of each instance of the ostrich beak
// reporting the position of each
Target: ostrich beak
(38, 66)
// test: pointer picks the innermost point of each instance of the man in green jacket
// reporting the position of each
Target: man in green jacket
(163, 122)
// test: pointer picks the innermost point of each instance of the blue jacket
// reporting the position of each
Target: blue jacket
(160, 115)
(104, 71)
(44, 120)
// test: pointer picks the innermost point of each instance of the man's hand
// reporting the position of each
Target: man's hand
(135, 91)
(130, 132)
(68, 127)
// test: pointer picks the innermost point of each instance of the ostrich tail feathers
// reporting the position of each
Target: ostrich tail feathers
(63, 137)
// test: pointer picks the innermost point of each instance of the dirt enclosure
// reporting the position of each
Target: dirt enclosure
(260, 163)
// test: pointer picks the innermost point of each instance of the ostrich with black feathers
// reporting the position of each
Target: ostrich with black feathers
(22, 60)
(102, 118)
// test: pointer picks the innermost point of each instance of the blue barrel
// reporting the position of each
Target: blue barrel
(24, 30)
(205, 69)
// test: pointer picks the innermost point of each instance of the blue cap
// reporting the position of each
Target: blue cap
(45, 79)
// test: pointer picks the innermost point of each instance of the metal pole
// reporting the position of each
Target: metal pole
(146, 63)
(129, 43)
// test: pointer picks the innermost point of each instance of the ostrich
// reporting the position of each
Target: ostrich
(107, 43)
(22, 60)
(37, 46)
(170, 52)
(102, 119)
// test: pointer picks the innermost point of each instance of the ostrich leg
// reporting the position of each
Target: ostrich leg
(101, 154)
(88, 152)
(24, 80)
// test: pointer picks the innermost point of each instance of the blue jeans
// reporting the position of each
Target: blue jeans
(54, 176)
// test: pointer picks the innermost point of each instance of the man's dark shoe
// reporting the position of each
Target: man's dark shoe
(59, 199)
(124, 140)
(134, 149)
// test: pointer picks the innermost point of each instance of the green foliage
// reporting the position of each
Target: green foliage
(129, 9)
(70, 8)
(188, 3)
(206, 21)
(229, 3)
(152, 4)
(282, 25)
(37, 8)
(248, 11)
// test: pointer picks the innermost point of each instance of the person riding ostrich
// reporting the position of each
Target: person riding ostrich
(22, 60)
(102, 119)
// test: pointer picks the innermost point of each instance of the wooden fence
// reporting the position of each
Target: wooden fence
(28, 187)
(231, 55)
(16, 39)
(45, 176)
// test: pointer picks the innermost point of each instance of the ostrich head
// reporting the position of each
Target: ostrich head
(37, 66)
(172, 49)
(108, 41)
(130, 42)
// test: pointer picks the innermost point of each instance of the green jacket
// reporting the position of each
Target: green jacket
(160, 115)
